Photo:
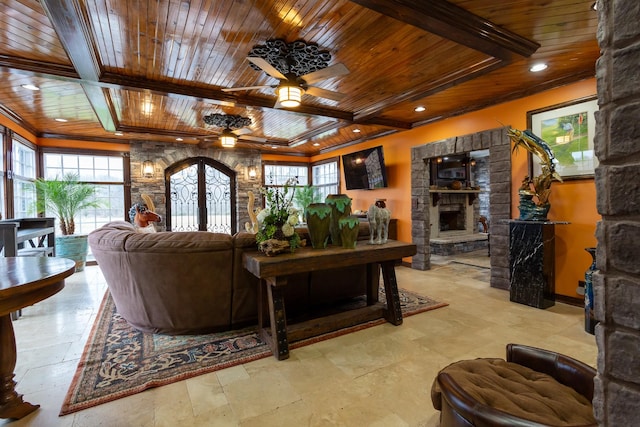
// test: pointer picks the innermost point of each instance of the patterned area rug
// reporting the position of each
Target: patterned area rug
(119, 361)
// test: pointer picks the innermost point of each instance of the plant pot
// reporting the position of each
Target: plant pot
(340, 208)
(318, 218)
(73, 247)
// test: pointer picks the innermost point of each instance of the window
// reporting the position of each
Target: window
(277, 175)
(106, 172)
(24, 176)
(325, 177)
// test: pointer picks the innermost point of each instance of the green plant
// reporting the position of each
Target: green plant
(305, 195)
(279, 218)
(64, 198)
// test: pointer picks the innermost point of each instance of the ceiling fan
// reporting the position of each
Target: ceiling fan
(297, 66)
(234, 127)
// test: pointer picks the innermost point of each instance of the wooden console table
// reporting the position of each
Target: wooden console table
(23, 281)
(273, 272)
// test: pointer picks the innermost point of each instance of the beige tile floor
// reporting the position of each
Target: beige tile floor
(376, 377)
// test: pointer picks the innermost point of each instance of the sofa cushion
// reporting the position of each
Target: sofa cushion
(515, 390)
(169, 242)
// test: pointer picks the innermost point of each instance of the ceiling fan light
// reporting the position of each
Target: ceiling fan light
(290, 96)
(228, 139)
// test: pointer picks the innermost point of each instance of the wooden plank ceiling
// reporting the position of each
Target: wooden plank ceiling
(126, 70)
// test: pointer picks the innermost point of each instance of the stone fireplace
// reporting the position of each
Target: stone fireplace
(435, 210)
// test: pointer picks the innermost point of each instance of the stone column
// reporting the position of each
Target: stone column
(617, 284)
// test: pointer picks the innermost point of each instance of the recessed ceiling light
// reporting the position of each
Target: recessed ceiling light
(30, 87)
(538, 67)
(179, 139)
(118, 134)
(316, 144)
(60, 120)
(356, 130)
(274, 146)
(419, 109)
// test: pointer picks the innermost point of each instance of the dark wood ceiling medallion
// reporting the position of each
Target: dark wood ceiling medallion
(228, 121)
(297, 58)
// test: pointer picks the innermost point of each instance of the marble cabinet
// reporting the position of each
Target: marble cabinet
(532, 262)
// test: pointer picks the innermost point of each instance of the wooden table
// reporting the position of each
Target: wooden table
(23, 281)
(35, 234)
(273, 272)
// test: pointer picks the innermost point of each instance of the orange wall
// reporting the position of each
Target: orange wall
(573, 201)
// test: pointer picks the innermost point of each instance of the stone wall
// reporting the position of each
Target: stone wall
(617, 284)
(481, 179)
(499, 146)
(164, 155)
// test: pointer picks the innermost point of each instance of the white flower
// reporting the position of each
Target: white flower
(288, 230)
(262, 215)
(293, 219)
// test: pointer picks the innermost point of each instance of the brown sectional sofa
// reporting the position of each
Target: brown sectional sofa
(194, 282)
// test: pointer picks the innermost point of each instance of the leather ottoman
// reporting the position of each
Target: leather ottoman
(533, 387)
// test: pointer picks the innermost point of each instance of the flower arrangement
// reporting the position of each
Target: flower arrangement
(278, 220)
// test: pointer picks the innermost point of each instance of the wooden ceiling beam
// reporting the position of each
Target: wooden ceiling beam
(72, 30)
(38, 68)
(456, 24)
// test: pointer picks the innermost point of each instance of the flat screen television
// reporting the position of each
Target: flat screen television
(453, 168)
(365, 169)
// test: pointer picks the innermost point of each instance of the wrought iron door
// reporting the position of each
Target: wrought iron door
(201, 196)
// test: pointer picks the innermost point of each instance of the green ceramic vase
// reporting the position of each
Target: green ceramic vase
(340, 208)
(349, 228)
(318, 218)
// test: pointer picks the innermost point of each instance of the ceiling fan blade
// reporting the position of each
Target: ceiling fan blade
(266, 67)
(252, 138)
(233, 89)
(324, 93)
(242, 131)
(334, 70)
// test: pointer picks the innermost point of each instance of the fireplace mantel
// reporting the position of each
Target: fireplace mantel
(435, 195)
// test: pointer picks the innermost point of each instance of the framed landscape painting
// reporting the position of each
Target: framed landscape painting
(568, 128)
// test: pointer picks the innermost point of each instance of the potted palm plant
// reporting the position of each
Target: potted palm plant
(64, 198)
(306, 195)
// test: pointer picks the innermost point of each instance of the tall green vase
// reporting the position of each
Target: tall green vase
(340, 208)
(349, 228)
(318, 218)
